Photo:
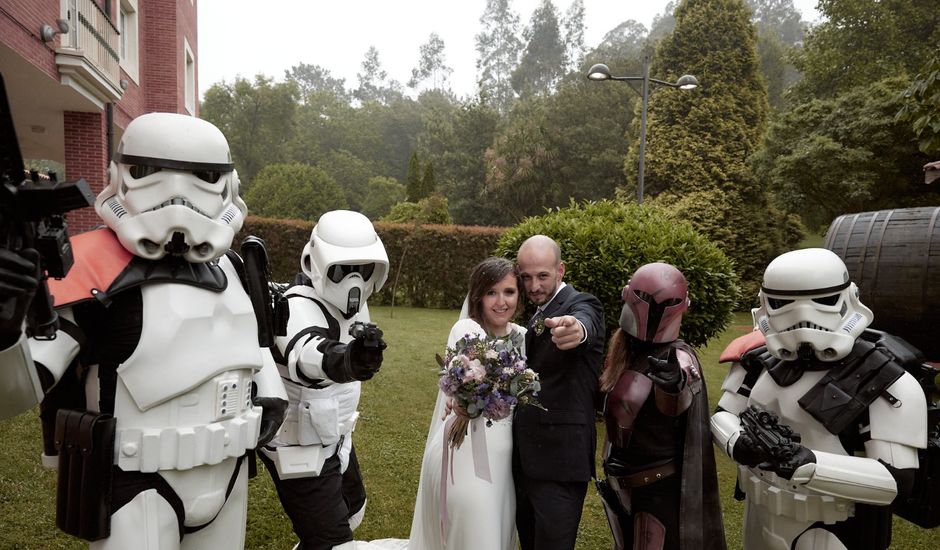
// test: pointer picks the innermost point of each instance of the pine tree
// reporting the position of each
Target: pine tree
(413, 179)
(428, 182)
(498, 47)
(698, 142)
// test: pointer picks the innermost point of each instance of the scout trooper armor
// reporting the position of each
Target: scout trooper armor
(156, 315)
(330, 347)
(860, 416)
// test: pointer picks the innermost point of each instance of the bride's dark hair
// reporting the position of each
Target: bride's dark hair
(486, 274)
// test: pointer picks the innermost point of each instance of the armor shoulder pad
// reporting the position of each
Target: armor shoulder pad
(905, 420)
(99, 259)
(741, 345)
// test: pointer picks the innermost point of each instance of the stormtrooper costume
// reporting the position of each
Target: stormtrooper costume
(861, 417)
(155, 385)
(312, 460)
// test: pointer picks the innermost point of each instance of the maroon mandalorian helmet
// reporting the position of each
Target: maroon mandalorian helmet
(654, 300)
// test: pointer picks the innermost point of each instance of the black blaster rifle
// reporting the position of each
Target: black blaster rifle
(778, 441)
(32, 216)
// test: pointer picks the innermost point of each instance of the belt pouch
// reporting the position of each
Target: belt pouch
(85, 442)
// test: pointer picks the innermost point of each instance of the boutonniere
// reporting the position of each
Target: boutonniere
(539, 324)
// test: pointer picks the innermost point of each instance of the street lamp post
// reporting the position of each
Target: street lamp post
(600, 72)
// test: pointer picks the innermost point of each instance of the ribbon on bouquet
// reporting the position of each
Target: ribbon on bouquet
(481, 464)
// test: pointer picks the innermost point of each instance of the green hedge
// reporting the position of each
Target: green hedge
(429, 265)
(603, 243)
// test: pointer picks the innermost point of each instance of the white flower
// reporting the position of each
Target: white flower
(475, 371)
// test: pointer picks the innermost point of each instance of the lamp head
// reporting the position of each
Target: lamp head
(48, 33)
(599, 72)
(687, 82)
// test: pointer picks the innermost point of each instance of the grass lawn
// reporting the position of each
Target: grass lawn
(396, 408)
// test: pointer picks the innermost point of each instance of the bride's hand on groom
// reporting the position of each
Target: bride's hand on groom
(567, 332)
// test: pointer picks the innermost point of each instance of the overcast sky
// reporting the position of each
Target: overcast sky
(248, 37)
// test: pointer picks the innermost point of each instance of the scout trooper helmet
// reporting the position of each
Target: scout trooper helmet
(808, 306)
(172, 189)
(345, 260)
(654, 300)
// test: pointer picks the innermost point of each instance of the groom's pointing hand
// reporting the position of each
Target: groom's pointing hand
(567, 332)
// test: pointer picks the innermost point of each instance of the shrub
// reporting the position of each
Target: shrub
(603, 243)
(432, 209)
(293, 191)
(429, 265)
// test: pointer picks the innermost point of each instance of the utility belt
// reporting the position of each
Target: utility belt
(182, 448)
(644, 477)
(320, 416)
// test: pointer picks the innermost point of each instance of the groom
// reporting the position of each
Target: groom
(553, 449)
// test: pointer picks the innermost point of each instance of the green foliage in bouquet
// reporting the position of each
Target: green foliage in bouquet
(603, 243)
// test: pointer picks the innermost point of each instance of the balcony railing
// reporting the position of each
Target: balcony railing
(88, 54)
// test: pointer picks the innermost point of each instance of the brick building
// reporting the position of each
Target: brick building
(77, 71)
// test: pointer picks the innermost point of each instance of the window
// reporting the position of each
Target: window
(190, 77)
(127, 25)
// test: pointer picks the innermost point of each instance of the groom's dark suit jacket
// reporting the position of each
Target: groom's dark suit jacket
(559, 444)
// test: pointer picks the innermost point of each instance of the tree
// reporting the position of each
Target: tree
(294, 191)
(428, 183)
(413, 179)
(350, 173)
(625, 41)
(373, 80)
(779, 16)
(455, 139)
(314, 78)
(498, 47)
(431, 64)
(863, 42)
(381, 195)
(698, 142)
(543, 60)
(922, 106)
(573, 24)
(827, 157)
(256, 118)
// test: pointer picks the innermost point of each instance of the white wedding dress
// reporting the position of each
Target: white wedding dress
(480, 513)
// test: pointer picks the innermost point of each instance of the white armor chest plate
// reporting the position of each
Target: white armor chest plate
(783, 401)
(184, 396)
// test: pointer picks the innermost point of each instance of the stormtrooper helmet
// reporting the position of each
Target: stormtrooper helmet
(654, 300)
(345, 260)
(172, 189)
(809, 308)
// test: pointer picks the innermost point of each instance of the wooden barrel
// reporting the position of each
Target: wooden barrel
(894, 258)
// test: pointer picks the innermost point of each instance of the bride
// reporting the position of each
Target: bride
(475, 512)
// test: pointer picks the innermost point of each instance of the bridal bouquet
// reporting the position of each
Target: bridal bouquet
(486, 376)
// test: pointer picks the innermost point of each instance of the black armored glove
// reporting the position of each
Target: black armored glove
(19, 279)
(747, 452)
(272, 416)
(365, 350)
(787, 466)
(665, 374)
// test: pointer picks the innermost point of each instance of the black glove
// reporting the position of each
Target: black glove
(272, 416)
(366, 350)
(801, 456)
(747, 452)
(19, 279)
(665, 374)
